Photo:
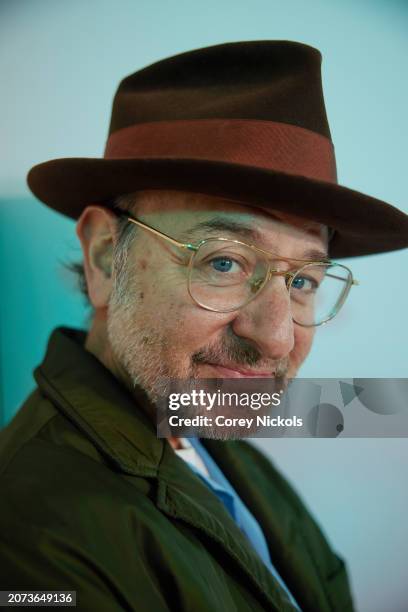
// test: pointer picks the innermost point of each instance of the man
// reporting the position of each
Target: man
(204, 231)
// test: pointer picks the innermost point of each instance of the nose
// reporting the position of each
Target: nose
(267, 320)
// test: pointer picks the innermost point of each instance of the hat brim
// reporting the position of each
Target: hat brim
(363, 225)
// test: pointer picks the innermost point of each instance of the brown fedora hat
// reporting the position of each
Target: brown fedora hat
(244, 121)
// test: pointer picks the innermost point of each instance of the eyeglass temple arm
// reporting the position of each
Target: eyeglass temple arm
(182, 245)
(353, 282)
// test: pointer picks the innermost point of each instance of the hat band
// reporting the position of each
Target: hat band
(263, 144)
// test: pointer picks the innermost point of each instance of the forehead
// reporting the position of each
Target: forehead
(190, 216)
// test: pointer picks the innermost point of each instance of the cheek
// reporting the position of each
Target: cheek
(195, 324)
(167, 307)
(189, 328)
(164, 286)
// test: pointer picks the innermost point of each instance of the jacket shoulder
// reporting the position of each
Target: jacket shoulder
(68, 518)
(49, 469)
(38, 419)
(68, 522)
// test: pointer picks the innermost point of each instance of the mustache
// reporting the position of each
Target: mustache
(240, 352)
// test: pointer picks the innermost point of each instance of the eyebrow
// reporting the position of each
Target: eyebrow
(218, 224)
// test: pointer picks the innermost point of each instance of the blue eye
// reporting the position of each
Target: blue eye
(298, 283)
(301, 282)
(222, 264)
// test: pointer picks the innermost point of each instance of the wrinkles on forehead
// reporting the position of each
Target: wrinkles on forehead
(228, 227)
(192, 217)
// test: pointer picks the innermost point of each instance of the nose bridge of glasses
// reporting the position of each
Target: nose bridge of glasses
(288, 276)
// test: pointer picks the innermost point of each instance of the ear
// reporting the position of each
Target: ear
(96, 229)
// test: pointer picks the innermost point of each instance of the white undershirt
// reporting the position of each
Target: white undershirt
(189, 454)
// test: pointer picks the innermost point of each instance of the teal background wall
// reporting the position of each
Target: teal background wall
(60, 64)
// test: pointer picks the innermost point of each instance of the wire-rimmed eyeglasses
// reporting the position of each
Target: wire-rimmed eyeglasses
(224, 275)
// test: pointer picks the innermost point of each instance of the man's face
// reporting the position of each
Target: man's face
(155, 329)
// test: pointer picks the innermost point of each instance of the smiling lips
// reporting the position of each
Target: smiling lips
(224, 372)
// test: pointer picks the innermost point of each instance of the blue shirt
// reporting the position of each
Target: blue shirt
(218, 483)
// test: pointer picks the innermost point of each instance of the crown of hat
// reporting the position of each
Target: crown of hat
(260, 80)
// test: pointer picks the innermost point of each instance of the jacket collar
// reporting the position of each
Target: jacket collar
(87, 393)
(105, 411)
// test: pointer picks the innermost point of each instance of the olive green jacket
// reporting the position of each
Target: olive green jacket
(92, 501)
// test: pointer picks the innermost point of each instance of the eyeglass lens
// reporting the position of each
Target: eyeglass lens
(226, 275)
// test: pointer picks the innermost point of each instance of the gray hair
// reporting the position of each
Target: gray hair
(125, 234)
